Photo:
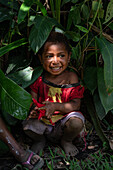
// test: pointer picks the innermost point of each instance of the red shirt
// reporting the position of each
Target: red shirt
(48, 91)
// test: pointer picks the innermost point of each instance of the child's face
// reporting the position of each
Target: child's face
(55, 58)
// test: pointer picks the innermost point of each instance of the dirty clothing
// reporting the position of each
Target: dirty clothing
(48, 91)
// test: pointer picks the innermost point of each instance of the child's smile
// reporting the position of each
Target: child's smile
(55, 58)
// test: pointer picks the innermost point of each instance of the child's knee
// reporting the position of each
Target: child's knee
(74, 123)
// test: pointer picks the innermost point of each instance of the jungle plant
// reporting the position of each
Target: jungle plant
(86, 23)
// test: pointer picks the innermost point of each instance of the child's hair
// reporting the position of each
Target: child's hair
(55, 38)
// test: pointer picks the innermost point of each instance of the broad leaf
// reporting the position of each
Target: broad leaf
(106, 49)
(106, 99)
(90, 78)
(40, 32)
(11, 46)
(98, 106)
(26, 76)
(14, 100)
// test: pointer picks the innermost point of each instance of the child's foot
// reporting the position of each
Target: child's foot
(69, 148)
(32, 160)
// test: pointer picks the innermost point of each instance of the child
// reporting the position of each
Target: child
(60, 92)
(27, 158)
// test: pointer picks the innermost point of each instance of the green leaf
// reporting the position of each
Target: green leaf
(43, 10)
(75, 10)
(83, 29)
(11, 46)
(14, 100)
(40, 32)
(98, 106)
(106, 99)
(25, 7)
(75, 51)
(85, 11)
(109, 12)
(26, 76)
(106, 49)
(90, 78)
(75, 36)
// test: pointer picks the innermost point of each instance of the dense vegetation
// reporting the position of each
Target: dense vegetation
(25, 26)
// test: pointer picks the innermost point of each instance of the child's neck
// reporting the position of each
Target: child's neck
(57, 79)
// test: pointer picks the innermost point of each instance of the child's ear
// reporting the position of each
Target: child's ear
(40, 58)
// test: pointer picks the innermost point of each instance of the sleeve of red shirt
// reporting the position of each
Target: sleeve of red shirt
(77, 92)
(34, 87)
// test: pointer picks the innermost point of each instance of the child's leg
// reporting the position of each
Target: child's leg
(19, 153)
(39, 141)
(35, 129)
(72, 128)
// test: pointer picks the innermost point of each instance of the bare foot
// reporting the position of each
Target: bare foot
(69, 148)
(38, 146)
(32, 160)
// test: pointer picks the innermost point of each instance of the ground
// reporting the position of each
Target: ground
(54, 156)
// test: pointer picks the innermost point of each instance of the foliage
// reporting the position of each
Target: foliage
(87, 24)
(94, 161)
(14, 99)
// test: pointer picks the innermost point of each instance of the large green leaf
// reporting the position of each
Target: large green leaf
(106, 99)
(106, 49)
(90, 78)
(40, 31)
(98, 105)
(14, 100)
(11, 46)
(26, 76)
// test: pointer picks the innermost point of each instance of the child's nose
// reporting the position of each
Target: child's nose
(55, 59)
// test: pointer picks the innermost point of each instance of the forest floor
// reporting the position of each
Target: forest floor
(54, 157)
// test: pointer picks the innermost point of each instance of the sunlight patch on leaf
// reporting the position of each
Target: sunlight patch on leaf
(14, 99)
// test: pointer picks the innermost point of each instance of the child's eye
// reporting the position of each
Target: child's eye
(49, 56)
(61, 56)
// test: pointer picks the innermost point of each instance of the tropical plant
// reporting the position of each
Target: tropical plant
(87, 24)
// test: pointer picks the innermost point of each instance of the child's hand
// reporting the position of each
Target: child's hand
(33, 113)
(49, 107)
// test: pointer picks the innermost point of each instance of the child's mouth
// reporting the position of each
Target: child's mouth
(56, 68)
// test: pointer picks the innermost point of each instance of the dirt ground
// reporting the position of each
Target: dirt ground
(91, 145)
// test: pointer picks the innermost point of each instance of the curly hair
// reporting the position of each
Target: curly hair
(56, 38)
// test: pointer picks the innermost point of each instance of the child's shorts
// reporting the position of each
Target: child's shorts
(53, 133)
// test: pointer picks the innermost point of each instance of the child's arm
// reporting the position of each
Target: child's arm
(63, 108)
(34, 110)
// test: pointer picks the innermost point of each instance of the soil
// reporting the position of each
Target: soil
(91, 145)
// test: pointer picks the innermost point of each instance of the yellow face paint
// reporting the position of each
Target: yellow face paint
(55, 93)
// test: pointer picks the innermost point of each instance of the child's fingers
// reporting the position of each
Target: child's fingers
(42, 108)
(45, 102)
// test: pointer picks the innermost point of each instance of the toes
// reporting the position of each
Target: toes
(34, 159)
